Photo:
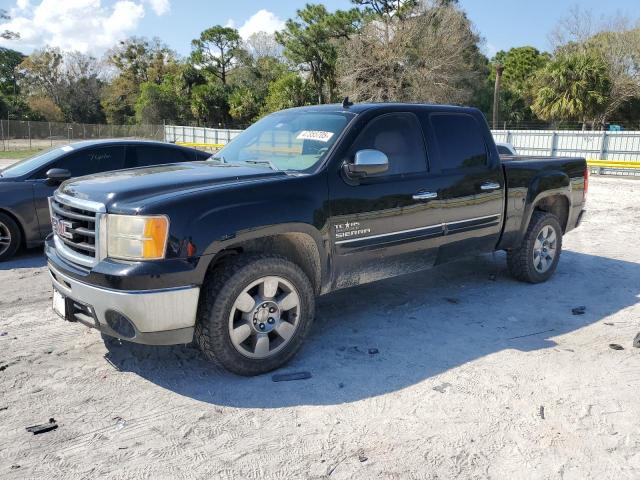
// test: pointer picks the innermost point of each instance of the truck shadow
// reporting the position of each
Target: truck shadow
(30, 258)
(389, 335)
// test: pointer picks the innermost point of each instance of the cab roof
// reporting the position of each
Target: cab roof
(358, 108)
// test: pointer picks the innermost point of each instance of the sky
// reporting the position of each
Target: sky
(92, 26)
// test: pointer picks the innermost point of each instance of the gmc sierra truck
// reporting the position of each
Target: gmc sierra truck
(231, 252)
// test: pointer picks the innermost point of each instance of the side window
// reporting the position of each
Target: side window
(146, 156)
(460, 141)
(502, 150)
(92, 160)
(398, 135)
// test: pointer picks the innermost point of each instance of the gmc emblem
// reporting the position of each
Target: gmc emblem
(61, 227)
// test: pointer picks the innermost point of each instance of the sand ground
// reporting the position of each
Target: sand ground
(477, 376)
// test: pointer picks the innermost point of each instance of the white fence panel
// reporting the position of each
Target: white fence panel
(593, 145)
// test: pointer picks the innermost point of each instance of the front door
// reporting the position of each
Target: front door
(390, 223)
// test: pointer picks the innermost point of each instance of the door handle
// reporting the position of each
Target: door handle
(425, 196)
(490, 186)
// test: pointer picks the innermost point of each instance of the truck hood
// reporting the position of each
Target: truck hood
(129, 189)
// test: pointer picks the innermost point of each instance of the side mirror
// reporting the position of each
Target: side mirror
(58, 175)
(366, 163)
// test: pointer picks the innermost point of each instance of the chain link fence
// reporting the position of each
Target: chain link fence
(27, 135)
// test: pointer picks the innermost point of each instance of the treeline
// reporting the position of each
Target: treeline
(380, 50)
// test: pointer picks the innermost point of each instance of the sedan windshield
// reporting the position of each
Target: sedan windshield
(34, 163)
(290, 140)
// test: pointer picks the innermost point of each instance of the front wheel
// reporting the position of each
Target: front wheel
(537, 258)
(254, 313)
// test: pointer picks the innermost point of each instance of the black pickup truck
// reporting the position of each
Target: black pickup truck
(231, 252)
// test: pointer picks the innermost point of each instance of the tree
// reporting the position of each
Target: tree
(41, 73)
(216, 50)
(573, 86)
(136, 61)
(9, 60)
(617, 41)
(251, 81)
(288, 91)
(209, 104)
(520, 66)
(431, 54)
(7, 34)
(157, 103)
(263, 44)
(311, 41)
(44, 107)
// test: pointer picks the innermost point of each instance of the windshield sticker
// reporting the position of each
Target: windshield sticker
(317, 135)
(67, 148)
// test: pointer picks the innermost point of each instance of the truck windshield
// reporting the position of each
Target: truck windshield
(294, 140)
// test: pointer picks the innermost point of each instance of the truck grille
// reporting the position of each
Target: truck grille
(76, 228)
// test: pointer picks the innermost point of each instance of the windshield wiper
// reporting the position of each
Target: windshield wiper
(219, 158)
(269, 163)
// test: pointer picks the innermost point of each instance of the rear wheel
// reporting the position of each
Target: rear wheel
(537, 258)
(10, 237)
(254, 313)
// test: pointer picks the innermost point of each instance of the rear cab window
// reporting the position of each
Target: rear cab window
(459, 141)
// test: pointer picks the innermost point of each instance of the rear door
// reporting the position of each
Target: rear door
(472, 194)
(390, 223)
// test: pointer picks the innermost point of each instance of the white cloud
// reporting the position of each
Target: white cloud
(261, 21)
(160, 7)
(83, 25)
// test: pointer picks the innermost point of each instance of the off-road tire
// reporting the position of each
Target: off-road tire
(221, 288)
(520, 260)
(16, 236)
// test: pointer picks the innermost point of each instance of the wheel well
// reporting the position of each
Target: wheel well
(558, 205)
(300, 248)
(23, 240)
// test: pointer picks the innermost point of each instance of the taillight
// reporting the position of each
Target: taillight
(586, 183)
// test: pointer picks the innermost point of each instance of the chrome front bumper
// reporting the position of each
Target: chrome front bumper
(154, 317)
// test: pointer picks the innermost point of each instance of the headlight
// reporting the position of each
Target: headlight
(135, 237)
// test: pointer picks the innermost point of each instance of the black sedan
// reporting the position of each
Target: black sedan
(26, 186)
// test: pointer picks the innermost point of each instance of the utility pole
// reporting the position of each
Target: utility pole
(496, 95)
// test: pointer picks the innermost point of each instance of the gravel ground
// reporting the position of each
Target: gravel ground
(476, 376)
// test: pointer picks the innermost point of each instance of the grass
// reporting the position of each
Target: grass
(17, 154)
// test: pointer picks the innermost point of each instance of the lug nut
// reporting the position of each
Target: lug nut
(264, 305)
(272, 310)
(271, 320)
(261, 326)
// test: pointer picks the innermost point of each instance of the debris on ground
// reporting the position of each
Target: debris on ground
(541, 412)
(636, 341)
(373, 351)
(361, 456)
(531, 334)
(493, 277)
(442, 387)
(2, 409)
(45, 427)
(3, 367)
(287, 377)
(4, 334)
(579, 310)
(454, 301)
(615, 346)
